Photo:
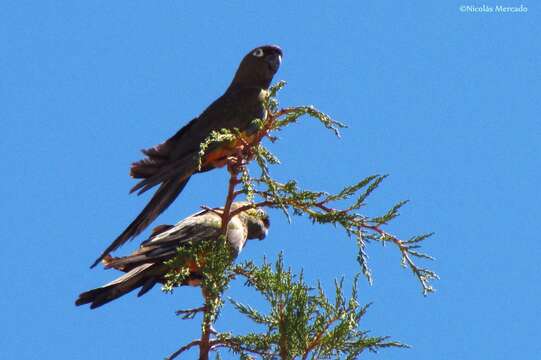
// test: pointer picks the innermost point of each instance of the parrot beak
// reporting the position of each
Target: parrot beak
(274, 60)
(263, 234)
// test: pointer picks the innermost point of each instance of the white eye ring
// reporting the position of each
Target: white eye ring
(258, 52)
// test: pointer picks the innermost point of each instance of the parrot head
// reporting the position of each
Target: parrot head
(256, 221)
(258, 67)
(258, 224)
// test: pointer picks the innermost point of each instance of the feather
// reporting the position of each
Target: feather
(146, 266)
(180, 168)
(149, 284)
(161, 200)
(116, 288)
(173, 162)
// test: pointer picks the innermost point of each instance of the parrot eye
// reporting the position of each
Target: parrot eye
(258, 52)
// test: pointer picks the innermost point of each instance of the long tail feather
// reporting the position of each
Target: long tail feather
(178, 168)
(141, 276)
(160, 201)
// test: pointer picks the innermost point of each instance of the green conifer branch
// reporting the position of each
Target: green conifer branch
(303, 322)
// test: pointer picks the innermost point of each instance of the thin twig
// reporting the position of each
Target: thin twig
(190, 312)
(317, 340)
(215, 211)
(420, 273)
(251, 206)
(182, 349)
(229, 344)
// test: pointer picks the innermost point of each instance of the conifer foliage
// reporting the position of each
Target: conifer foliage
(303, 322)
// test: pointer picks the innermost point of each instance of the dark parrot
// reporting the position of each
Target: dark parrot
(172, 163)
(145, 267)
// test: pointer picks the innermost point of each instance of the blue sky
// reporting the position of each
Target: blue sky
(446, 102)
